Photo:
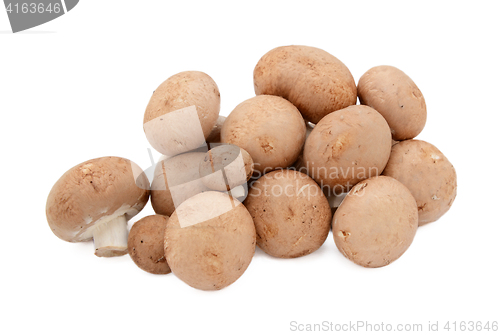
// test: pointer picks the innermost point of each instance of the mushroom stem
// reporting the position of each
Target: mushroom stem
(110, 238)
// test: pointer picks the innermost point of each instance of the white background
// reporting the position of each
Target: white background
(76, 88)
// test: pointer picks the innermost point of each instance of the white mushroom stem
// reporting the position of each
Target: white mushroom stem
(110, 238)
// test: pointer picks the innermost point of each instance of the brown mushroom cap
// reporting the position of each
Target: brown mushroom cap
(180, 174)
(182, 112)
(210, 240)
(346, 147)
(427, 173)
(291, 214)
(93, 192)
(270, 128)
(225, 167)
(394, 95)
(145, 244)
(376, 222)
(316, 82)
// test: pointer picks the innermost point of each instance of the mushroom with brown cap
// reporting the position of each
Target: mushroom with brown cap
(291, 214)
(346, 147)
(94, 200)
(210, 240)
(145, 244)
(316, 82)
(270, 128)
(394, 95)
(376, 222)
(182, 112)
(427, 173)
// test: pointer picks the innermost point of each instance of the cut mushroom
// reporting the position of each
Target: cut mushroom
(94, 200)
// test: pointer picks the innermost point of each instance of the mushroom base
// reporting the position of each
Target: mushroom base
(111, 251)
(110, 238)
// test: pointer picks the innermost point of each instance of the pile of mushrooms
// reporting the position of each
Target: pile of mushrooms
(285, 167)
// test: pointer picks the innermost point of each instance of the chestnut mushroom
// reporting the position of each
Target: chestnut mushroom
(94, 200)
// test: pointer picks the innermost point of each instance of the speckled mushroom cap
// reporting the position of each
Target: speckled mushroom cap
(145, 244)
(316, 82)
(179, 174)
(428, 174)
(182, 112)
(210, 240)
(291, 214)
(394, 95)
(376, 222)
(346, 147)
(93, 192)
(269, 128)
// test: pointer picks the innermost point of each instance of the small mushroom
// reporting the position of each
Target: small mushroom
(225, 167)
(394, 95)
(182, 112)
(145, 244)
(94, 200)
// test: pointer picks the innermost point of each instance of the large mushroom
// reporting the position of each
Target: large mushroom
(94, 200)
(316, 82)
